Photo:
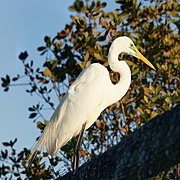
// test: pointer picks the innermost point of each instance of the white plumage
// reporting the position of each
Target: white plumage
(87, 97)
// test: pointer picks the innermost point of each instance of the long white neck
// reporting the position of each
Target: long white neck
(118, 90)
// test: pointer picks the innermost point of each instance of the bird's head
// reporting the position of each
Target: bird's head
(127, 46)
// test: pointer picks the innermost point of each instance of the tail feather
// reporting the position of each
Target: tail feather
(42, 144)
(31, 157)
(56, 134)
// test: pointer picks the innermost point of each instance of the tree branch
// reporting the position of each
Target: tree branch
(144, 153)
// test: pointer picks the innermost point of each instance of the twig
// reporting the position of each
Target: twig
(123, 112)
(55, 88)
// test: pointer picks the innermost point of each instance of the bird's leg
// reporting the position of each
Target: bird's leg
(77, 148)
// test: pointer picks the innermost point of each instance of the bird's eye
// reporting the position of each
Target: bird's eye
(133, 47)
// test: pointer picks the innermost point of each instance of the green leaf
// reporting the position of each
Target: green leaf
(41, 48)
(23, 55)
(4, 154)
(15, 78)
(40, 125)
(135, 71)
(32, 115)
(47, 72)
(31, 109)
(154, 114)
(48, 41)
(104, 4)
(176, 99)
(6, 144)
(145, 99)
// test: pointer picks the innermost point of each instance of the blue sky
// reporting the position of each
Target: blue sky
(23, 27)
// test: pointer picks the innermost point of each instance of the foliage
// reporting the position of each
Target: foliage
(154, 28)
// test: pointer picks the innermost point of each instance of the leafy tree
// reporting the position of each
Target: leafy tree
(154, 28)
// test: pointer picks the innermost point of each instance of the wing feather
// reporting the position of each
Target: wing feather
(69, 116)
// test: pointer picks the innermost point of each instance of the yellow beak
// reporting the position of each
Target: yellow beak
(140, 56)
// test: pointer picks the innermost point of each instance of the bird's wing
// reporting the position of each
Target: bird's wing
(76, 107)
(49, 134)
(86, 77)
(88, 92)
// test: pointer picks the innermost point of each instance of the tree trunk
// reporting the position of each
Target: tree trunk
(144, 153)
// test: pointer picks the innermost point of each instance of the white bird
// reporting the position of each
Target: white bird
(87, 97)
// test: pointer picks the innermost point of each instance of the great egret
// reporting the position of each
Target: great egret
(87, 97)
